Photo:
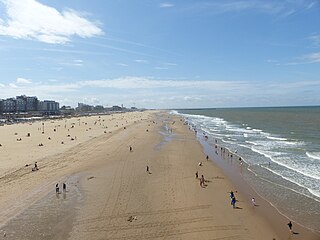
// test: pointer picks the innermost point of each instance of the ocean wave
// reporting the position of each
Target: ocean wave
(256, 130)
(253, 143)
(314, 155)
(313, 192)
(277, 138)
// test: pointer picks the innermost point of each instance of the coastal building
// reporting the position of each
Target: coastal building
(9, 105)
(30, 103)
(48, 107)
(20, 105)
(117, 108)
(67, 110)
(84, 107)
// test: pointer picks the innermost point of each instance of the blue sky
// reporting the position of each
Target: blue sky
(162, 54)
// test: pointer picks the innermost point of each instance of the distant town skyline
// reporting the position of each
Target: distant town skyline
(162, 54)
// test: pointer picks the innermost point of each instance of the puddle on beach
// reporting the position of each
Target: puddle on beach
(167, 134)
(49, 218)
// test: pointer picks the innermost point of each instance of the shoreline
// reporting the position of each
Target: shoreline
(269, 211)
(164, 202)
(236, 171)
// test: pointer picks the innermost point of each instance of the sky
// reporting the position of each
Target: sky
(162, 54)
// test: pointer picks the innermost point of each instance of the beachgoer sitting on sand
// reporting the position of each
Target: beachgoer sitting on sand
(62, 142)
(200, 164)
(131, 218)
(49, 138)
(35, 168)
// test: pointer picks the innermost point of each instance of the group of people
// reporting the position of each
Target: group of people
(201, 179)
(64, 188)
(35, 168)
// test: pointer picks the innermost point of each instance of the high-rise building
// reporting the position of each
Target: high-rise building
(48, 107)
(9, 105)
(22, 104)
(31, 103)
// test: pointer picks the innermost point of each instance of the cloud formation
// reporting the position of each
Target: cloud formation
(23, 81)
(274, 7)
(166, 5)
(29, 19)
(157, 93)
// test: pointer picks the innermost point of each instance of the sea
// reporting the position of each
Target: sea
(281, 149)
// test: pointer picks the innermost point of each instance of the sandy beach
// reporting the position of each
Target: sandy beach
(150, 192)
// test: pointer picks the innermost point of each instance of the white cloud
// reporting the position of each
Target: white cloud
(274, 7)
(147, 83)
(159, 93)
(161, 68)
(29, 19)
(141, 61)
(12, 85)
(122, 64)
(166, 5)
(306, 59)
(315, 39)
(23, 81)
(74, 63)
(312, 57)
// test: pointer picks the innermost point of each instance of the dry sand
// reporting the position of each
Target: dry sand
(110, 194)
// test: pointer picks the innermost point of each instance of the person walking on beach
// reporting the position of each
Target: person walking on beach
(147, 169)
(202, 181)
(130, 149)
(253, 201)
(57, 188)
(233, 202)
(231, 194)
(197, 175)
(64, 187)
(207, 157)
(290, 226)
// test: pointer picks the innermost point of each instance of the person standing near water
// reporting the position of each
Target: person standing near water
(57, 188)
(290, 226)
(64, 187)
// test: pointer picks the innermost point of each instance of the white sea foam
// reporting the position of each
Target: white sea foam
(313, 192)
(314, 155)
(277, 138)
(256, 130)
(253, 143)
(245, 146)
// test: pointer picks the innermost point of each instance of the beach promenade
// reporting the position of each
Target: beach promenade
(150, 192)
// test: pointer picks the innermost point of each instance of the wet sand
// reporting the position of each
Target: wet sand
(112, 196)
